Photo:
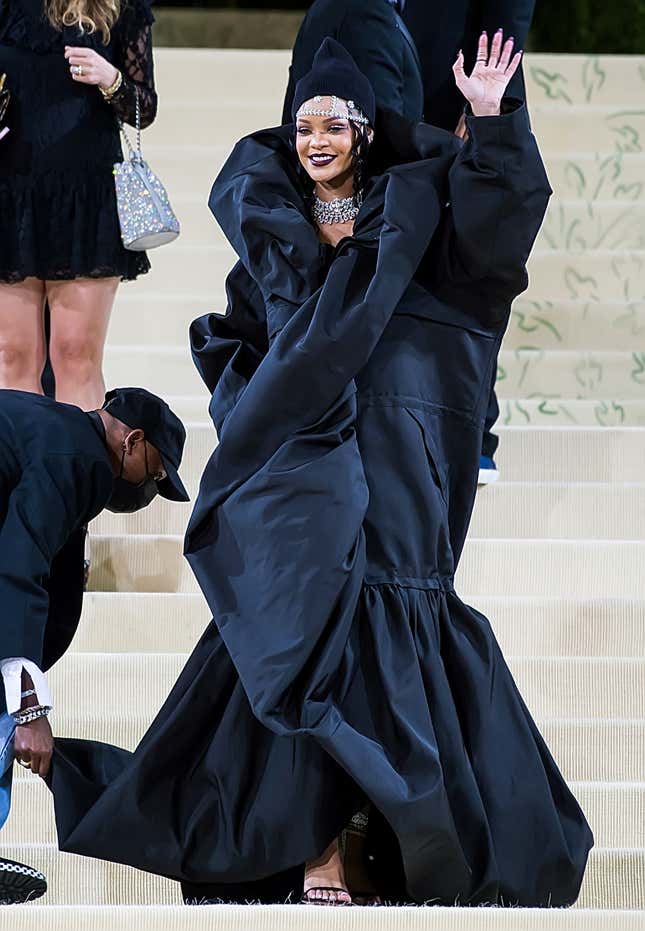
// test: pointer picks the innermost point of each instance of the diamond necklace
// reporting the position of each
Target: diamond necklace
(339, 210)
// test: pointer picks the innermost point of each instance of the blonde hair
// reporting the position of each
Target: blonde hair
(89, 15)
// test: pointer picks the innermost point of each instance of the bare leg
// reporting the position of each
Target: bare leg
(22, 335)
(327, 870)
(80, 314)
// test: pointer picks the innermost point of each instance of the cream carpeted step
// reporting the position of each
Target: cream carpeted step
(148, 623)
(578, 225)
(296, 918)
(526, 372)
(569, 224)
(157, 320)
(588, 510)
(595, 275)
(571, 324)
(586, 749)
(592, 176)
(546, 410)
(188, 170)
(186, 75)
(559, 453)
(572, 225)
(567, 373)
(551, 686)
(561, 128)
(164, 370)
(615, 879)
(558, 511)
(566, 568)
(613, 809)
(529, 454)
(569, 568)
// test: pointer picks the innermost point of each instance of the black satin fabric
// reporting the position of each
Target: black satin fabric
(57, 194)
(348, 390)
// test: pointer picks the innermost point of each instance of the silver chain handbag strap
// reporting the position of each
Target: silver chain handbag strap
(138, 154)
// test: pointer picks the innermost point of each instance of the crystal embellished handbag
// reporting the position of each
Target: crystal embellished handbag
(147, 220)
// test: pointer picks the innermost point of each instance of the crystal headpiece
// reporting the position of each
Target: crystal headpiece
(352, 113)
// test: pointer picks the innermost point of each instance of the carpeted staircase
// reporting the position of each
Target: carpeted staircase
(556, 555)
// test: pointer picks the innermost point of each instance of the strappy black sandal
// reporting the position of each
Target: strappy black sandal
(306, 900)
(357, 828)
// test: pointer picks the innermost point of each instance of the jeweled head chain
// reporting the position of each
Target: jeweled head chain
(341, 209)
(353, 113)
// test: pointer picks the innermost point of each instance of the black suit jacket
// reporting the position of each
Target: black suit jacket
(380, 43)
(440, 29)
(55, 476)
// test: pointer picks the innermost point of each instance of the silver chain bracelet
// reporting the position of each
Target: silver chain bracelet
(30, 714)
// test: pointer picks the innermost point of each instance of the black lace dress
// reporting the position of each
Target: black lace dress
(58, 213)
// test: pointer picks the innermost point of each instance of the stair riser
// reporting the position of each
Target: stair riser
(521, 373)
(551, 687)
(183, 75)
(570, 225)
(574, 569)
(615, 813)
(523, 511)
(574, 176)
(559, 129)
(115, 623)
(158, 321)
(76, 880)
(593, 276)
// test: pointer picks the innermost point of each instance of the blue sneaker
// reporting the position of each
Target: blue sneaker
(487, 471)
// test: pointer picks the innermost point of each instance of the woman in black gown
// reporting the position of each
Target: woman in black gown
(342, 674)
(73, 67)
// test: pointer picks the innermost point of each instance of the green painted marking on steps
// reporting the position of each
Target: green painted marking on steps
(593, 77)
(638, 372)
(552, 83)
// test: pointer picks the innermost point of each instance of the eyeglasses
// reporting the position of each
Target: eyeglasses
(155, 476)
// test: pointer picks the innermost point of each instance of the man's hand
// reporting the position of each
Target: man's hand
(485, 87)
(34, 744)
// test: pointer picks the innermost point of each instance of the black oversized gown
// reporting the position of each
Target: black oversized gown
(348, 390)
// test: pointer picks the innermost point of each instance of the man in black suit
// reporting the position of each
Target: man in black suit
(439, 31)
(59, 467)
(375, 35)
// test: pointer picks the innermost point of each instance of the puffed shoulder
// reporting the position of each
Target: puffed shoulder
(137, 13)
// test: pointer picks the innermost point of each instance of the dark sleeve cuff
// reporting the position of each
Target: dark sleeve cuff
(511, 124)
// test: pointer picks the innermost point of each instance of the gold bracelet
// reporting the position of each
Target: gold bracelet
(109, 92)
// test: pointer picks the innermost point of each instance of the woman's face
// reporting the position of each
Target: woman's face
(324, 146)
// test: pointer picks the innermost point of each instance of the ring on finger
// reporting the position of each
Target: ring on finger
(24, 764)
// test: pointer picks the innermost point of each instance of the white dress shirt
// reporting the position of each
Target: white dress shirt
(11, 670)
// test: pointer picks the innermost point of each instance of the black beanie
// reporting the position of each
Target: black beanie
(334, 73)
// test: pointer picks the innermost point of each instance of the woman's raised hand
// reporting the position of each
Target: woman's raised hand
(88, 67)
(485, 87)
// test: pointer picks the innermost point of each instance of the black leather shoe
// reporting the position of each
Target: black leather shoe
(20, 883)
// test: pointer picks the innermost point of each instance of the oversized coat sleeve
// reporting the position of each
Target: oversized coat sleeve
(498, 195)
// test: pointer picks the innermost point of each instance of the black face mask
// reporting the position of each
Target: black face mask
(126, 497)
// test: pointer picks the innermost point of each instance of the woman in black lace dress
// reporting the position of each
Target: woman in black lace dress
(73, 68)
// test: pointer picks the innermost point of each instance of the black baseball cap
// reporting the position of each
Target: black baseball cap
(141, 409)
